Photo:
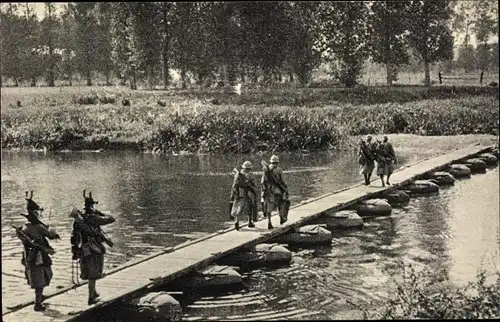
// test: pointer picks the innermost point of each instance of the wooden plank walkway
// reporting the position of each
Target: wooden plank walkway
(135, 278)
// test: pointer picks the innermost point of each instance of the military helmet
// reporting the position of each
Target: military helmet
(247, 165)
(274, 159)
(89, 201)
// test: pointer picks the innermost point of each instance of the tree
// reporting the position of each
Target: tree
(11, 31)
(389, 41)
(303, 34)
(429, 32)
(86, 33)
(145, 33)
(166, 35)
(104, 61)
(49, 43)
(31, 52)
(67, 39)
(466, 56)
(345, 27)
(484, 56)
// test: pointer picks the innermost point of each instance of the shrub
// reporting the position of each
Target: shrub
(420, 296)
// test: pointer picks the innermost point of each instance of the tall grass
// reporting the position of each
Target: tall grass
(430, 295)
(227, 123)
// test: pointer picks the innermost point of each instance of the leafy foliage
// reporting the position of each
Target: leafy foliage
(251, 122)
(421, 297)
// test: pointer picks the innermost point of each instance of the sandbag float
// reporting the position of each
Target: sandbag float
(343, 219)
(396, 197)
(154, 306)
(488, 158)
(374, 207)
(422, 187)
(211, 276)
(259, 255)
(310, 234)
(459, 171)
(441, 178)
(476, 165)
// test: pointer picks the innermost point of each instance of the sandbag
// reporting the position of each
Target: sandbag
(488, 158)
(396, 197)
(459, 171)
(259, 255)
(211, 276)
(441, 178)
(476, 165)
(310, 234)
(157, 306)
(422, 187)
(342, 220)
(374, 207)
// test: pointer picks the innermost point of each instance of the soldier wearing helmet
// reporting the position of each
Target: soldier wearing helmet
(274, 191)
(37, 250)
(244, 195)
(366, 157)
(88, 247)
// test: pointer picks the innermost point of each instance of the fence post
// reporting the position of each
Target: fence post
(481, 78)
(440, 78)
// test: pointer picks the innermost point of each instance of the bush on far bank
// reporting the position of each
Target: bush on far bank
(198, 125)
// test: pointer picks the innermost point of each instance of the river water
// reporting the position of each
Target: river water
(161, 201)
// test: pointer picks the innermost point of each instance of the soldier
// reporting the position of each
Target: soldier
(386, 160)
(243, 195)
(366, 158)
(274, 191)
(86, 241)
(36, 256)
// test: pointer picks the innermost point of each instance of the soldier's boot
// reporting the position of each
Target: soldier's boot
(93, 295)
(250, 221)
(269, 224)
(237, 225)
(38, 300)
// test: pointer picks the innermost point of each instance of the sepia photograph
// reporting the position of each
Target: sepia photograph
(250, 160)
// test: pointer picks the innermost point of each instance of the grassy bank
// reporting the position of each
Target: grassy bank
(430, 295)
(222, 123)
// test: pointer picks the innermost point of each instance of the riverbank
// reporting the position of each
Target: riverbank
(216, 122)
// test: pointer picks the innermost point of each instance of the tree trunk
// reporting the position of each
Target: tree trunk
(16, 82)
(183, 79)
(291, 77)
(242, 75)
(133, 81)
(280, 77)
(427, 74)
(88, 76)
(33, 81)
(388, 70)
(108, 80)
(166, 73)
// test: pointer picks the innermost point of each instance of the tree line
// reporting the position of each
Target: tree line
(227, 42)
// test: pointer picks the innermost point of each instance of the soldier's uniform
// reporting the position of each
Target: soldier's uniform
(386, 158)
(243, 195)
(272, 195)
(366, 157)
(89, 250)
(36, 261)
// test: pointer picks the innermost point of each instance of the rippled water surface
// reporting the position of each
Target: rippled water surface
(162, 201)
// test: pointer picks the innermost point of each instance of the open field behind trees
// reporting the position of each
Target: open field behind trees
(258, 120)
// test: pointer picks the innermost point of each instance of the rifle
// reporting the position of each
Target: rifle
(27, 240)
(368, 155)
(271, 178)
(254, 190)
(78, 217)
